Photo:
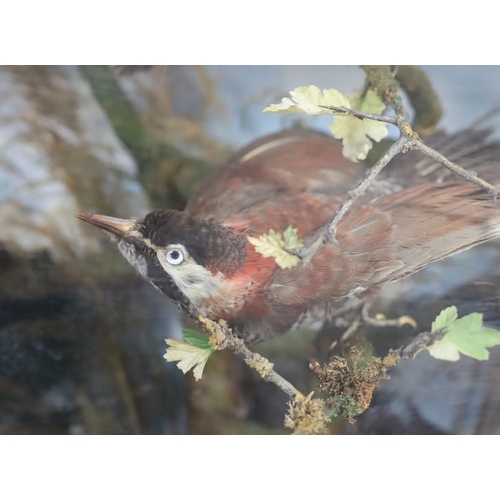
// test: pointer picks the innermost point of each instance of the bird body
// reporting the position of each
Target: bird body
(203, 260)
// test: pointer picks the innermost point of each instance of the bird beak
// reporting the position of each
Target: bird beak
(117, 227)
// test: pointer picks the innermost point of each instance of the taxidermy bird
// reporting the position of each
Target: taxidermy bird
(414, 214)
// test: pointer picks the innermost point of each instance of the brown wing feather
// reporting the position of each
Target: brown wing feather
(434, 221)
(288, 163)
(393, 237)
(305, 211)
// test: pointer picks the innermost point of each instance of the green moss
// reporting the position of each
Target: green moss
(346, 407)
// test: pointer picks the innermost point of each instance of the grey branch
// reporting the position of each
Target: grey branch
(223, 338)
(466, 174)
(352, 196)
(420, 342)
(362, 115)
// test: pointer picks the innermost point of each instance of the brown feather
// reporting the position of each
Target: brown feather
(393, 237)
(288, 163)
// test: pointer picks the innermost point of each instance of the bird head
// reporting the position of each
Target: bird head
(187, 258)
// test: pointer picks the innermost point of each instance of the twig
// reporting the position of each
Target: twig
(352, 196)
(420, 342)
(401, 145)
(362, 115)
(328, 234)
(222, 338)
(307, 415)
(351, 330)
(350, 387)
(466, 174)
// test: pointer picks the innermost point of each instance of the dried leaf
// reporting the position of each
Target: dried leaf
(356, 134)
(275, 245)
(192, 354)
(308, 100)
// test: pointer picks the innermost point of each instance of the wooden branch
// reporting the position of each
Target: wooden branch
(222, 338)
(466, 174)
(381, 79)
(420, 342)
(352, 196)
(362, 115)
(307, 415)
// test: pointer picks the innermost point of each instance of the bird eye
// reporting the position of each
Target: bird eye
(175, 257)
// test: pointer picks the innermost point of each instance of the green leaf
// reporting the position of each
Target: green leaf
(446, 317)
(196, 339)
(465, 335)
(356, 133)
(490, 337)
(471, 322)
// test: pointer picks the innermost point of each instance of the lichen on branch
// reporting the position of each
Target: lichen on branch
(306, 415)
(349, 386)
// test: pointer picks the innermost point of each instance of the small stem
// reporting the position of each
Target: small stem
(421, 341)
(362, 115)
(271, 375)
(352, 329)
(470, 176)
(222, 337)
(352, 196)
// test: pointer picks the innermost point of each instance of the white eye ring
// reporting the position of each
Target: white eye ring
(175, 257)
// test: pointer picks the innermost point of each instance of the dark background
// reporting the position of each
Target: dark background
(82, 336)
